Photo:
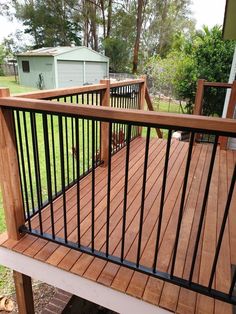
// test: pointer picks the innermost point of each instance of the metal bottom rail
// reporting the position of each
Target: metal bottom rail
(142, 269)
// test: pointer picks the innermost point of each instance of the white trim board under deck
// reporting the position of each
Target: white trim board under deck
(82, 287)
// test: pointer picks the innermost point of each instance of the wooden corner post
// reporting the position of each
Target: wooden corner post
(9, 172)
(197, 110)
(143, 87)
(12, 199)
(104, 125)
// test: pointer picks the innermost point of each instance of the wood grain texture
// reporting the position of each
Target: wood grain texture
(130, 282)
(9, 177)
(24, 293)
(136, 116)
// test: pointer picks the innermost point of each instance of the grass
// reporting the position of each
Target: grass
(6, 285)
(15, 88)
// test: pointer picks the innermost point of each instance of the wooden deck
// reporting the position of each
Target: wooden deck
(151, 290)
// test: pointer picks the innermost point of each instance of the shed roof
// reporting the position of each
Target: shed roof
(56, 51)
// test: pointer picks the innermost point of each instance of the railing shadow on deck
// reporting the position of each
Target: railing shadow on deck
(55, 142)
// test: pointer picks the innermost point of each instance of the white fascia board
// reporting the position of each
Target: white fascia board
(74, 284)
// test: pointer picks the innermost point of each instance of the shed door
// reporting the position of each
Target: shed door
(95, 71)
(70, 73)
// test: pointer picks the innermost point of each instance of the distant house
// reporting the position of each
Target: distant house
(48, 68)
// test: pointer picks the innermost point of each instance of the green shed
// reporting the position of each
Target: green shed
(48, 68)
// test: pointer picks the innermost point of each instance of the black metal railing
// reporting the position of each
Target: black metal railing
(54, 146)
(124, 97)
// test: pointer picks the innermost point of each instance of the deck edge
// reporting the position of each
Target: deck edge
(82, 287)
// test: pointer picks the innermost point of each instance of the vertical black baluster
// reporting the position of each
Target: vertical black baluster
(83, 137)
(108, 190)
(88, 142)
(18, 158)
(125, 192)
(78, 176)
(54, 155)
(23, 168)
(162, 198)
(28, 161)
(145, 167)
(182, 202)
(222, 229)
(77, 99)
(73, 146)
(37, 167)
(67, 153)
(48, 170)
(93, 184)
(61, 141)
(201, 219)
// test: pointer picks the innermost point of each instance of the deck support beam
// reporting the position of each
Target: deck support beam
(24, 293)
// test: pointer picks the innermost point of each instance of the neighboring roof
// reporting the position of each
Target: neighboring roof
(229, 28)
(55, 51)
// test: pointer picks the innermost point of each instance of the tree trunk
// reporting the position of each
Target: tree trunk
(138, 34)
(109, 18)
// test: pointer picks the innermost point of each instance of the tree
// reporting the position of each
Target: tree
(163, 20)
(50, 22)
(116, 50)
(208, 57)
(139, 23)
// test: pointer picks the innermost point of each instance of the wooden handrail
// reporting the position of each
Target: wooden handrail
(60, 92)
(218, 84)
(175, 121)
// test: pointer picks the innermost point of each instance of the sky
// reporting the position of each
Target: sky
(206, 12)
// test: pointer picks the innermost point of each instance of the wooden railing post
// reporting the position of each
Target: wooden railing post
(104, 125)
(9, 172)
(142, 98)
(229, 114)
(199, 97)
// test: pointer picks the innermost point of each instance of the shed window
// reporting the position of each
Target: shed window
(26, 66)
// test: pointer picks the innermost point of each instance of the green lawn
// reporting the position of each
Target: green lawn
(15, 88)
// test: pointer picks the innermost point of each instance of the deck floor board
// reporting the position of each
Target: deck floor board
(141, 286)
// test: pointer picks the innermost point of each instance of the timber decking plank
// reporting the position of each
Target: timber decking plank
(187, 298)
(148, 205)
(121, 282)
(133, 199)
(102, 205)
(205, 304)
(70, 214)
(167, 239)
(170, 293)
(108, 269)
(223, 268)
(141, 286)
(231, 160)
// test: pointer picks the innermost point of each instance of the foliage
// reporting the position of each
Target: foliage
(2, 56)
(202, 55)
(210, 58)
(148, 27)
(49, 22)
(116, 50)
